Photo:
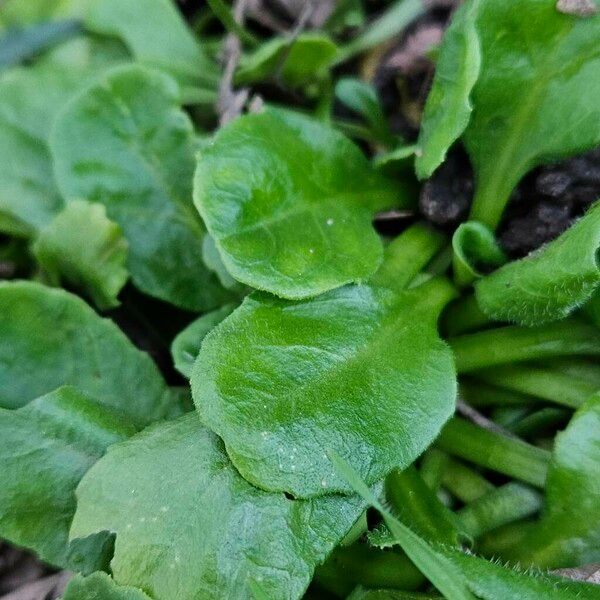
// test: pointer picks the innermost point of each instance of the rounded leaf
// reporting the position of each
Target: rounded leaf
(359, 370)
(289, 203)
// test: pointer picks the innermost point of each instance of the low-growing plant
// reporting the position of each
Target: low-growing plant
(247, 391)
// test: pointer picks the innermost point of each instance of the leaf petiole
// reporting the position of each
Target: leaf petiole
(548, 384)
(504, 345)
(506, 504)
(491, 450)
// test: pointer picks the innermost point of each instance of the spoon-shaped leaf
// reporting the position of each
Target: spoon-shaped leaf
(140, 167)
(50, 338)
(550, 283)
(188, 526)
(536, 99)
(360, 370)
(289, 202)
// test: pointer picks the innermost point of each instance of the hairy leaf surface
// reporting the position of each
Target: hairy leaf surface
(493, 581)
(289, 203)
(359, 370)
(550, 283)
(29, 100)
(188, 526)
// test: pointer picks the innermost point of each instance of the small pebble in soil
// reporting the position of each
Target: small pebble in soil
(446, 197)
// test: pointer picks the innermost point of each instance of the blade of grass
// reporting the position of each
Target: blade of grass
(435, 567)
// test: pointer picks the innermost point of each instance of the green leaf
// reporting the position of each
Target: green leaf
(360, 370)
(186, 345)
(100, 586)
(212, 259)
(156, 34)
(86, 248)
(52, 338)
(568, 533)
(289, 203)
(188, 526)
(536, 98)
(492, 581)
(550, 283)
(29, 101)
(19, 13)
(419, 507)
(297, 61)
(19, 45)
(364, 594)
(448, 107)
(475, 250)
(47, 446)
(140, 167)
(361, 97)
(432, 564)
(592, 308)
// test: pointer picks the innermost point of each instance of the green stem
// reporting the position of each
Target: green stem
(359, 564)
(406, 255)
(509, 416)
(576, 367)
(493, 190)
(494, 451)
(463, 315)
(441, 262)
(465, 483)
(354, 130)
(195, 95)
(400, 14)
(474, 351)
(503, 539)
(503, 505)
(554, 386)
(433, 467)
(540, 421)
(479, 394)
(225, 15)
(417, 506)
